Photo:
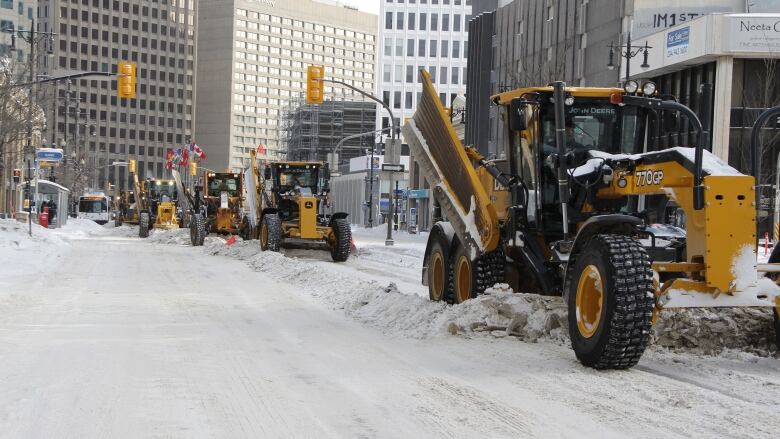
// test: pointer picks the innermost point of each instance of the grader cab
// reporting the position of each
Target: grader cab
(569, 212)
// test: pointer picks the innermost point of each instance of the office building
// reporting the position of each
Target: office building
(426, 34)
(257, 53)
(95, 35)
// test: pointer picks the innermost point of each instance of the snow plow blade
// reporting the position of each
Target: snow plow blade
(444, 163)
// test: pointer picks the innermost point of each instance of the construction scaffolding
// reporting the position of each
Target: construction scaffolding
(310, 132)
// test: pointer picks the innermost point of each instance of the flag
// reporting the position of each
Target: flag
(169, 158)
(198, 152)
(261, 149)
(185, 158)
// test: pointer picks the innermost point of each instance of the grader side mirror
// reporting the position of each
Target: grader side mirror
(517, 117)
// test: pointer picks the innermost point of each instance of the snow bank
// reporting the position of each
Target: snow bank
(22, 254)
(172, 236)
(497, 313)
(713, 331)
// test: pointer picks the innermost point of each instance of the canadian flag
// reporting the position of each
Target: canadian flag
(261, 149)
(198, 152)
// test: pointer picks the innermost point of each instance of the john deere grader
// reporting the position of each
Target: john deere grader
(296, 209)
(155, 203)
(217, 206)
(570, 212)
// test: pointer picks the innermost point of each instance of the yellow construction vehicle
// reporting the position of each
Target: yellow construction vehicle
(155, 204)
(296, 209)
(566, 213)
(218, 206)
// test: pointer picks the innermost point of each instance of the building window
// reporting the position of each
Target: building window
(388, 46)
(397, 99)
(454, 78)
(410, 74)
(399, 25)
(443, 76)
(408, 100)
(434, 21)
(421, 47)
(456, 49)
(456, 23)
(423, 19)
(411, 23)
(445, 48)
(388, 20)
(410, 47)
(432, 52)
(399, 47)
(445, 22)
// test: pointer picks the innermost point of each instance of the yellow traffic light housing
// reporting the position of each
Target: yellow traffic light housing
(315, 84)
(193, 169)
(131, 166)
(126, 80)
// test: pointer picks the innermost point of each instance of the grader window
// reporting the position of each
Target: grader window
(595, 125)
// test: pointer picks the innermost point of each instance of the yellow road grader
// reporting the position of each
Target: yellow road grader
(218, 207)
(154, 203)
(293, 205)
(566, 214)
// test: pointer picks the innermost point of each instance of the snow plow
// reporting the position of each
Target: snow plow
(571, 212)
(154, 204)
(217, 206)
(295, 199)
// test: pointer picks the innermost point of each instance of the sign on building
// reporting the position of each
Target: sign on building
(677, 42)
(754, 34)
(651, 16)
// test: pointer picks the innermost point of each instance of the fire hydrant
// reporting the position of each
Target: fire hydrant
(43, 218)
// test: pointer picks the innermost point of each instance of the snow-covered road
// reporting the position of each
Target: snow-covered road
(128, 338)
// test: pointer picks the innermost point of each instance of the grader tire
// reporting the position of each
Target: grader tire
(471, 278)
(197, 230)
(247, 231)
(439, 272)
(271, 232)
(143, 225)
(610, 302)
(339, 250)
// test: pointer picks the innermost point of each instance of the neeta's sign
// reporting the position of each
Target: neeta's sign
(754, 34)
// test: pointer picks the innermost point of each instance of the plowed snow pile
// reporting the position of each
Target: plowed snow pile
(498, 313)
(21, 253)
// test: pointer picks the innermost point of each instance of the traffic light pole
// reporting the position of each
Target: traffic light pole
(393, 135)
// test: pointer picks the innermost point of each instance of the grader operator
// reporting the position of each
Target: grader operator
(567, 214)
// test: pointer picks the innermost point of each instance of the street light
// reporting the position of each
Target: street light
(628, 51)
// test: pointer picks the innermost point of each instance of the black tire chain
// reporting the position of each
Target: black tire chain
(488, 268)
(340, 252)
(273, 226)
(632, 321)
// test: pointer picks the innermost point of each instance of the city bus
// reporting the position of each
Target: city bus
(95, 207)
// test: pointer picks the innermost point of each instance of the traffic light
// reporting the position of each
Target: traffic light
(193, 169)
(126, 80)
(131, 166)
(315, 84)
(17, 175)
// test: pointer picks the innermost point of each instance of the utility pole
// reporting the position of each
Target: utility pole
(33, 38)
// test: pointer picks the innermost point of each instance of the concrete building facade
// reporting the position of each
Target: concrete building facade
(257, 53)
(95, 35)
(16, 14)
(415, 35)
